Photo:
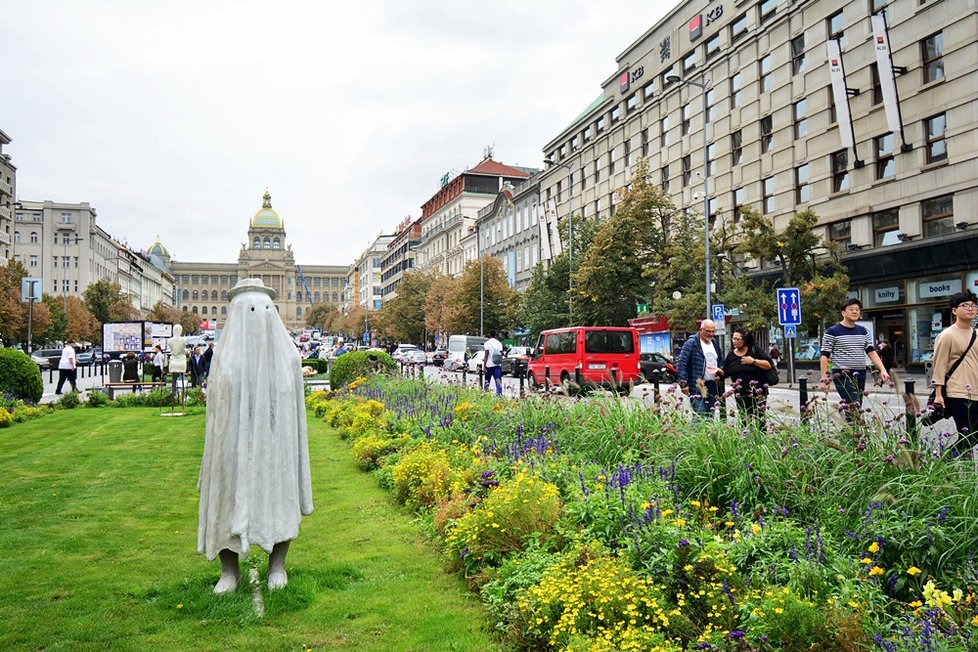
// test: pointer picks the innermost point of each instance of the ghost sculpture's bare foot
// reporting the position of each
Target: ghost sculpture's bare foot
(277, 577)
(230, 573)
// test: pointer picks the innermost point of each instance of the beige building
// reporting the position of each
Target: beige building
(8, 195)
(900, 203)
(202, 287)
(400, 257)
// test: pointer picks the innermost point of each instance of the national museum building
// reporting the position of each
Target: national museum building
(202, 288)
(862, 110)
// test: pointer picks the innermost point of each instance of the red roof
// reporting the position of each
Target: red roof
(497, 169)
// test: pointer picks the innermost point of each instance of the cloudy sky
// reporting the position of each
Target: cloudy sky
(171, 118)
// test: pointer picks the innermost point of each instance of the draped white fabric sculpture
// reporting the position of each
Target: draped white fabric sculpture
(254, 477)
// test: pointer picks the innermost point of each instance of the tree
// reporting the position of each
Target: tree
(57, 323)
(13, 313)
(108, 303)
(322, 315)
(403, 317)
(81, 325)
(483, 297)
(440, 307)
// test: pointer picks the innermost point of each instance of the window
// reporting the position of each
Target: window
(840, 170)
(877, 86)
(767, 134)
(195, 294)
(876, 6)
(711, 158)
(666, 74)
(687, 173)
(932, 51)
(736, 83)
(645, 141)
(936, 145)
(802, 190)
(600, 125)
(798, 55)
(738, 202)
(213, 295)
(257, 243)
(276, 244)
(769, 8)
(612, 159)
(204, 279)
(186, 295)
(630, 103)
(597, 171)
(841, 233)
(647, 91)
(33, 237)
(33, 261)
(664, 131)
(689, 62)
(586, 134)
(710, 96)
(885, 163)
(195, 279)
(575, 143)
(664, 177)
(767, 187)
(764, 73)
(938, 215)
(712, 46)
(684, 113)
(615, 113)
(886, 228)
(224, 280)
(66, 218)
(738, 28)
(833, 117)
(16, 237)
(834, 25)
(800, 110)
(737, 146)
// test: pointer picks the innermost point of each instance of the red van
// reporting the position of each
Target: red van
(607, 356)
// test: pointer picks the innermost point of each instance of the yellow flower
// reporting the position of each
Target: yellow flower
(874, 547)
(875, 570)
(865, 561)
(913, 570)
(756, 528)
(666, 512)
(694, 503)
(916, 603)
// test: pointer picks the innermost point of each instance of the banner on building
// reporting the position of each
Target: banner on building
(884, 63)
(545, 254)
(555, 245)
(550, 246)
(837, 76)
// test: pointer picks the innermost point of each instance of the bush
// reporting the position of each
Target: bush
(26, 413)
(5, 418)
(422, 476)
(97, 399)
(69, 401)
(196, 397)
(161, 398)
(19, 376)
(321, 366)
(130, 400)
(350, 366)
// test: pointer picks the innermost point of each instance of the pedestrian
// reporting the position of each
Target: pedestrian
(209, 353)
(775, 354)
(198, 368)
(492, 360)
(746, 366)
(67, 368)
(845, 346)
(699, 368)
(159, 362)
(957, 389)
(887, 356)
(340, 348)
(130, 370)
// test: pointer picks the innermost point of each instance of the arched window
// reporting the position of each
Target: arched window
(307, 309)
(203, 310)
(316, 295)
(336, 296)
(224, 311)
(195, 294)
(16, 237)
(214, 311)
(185, 308)
(257, 244)
(276, 244)
(267, 244)
(298, 311)
(186, 294)
(224, 295)
(213, 295)
(195, 310)
(34, 237)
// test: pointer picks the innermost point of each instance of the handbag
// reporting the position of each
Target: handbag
(771, 376)
(936, 411)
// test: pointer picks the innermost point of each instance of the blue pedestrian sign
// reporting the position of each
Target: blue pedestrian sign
(789, 306)
(718, 312)
(790, 332)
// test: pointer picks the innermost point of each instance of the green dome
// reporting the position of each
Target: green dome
(267, 217)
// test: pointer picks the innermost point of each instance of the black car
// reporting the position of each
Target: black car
(656, 362)
(437, 357)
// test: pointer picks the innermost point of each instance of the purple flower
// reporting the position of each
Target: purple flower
(736, 634)
(683, 543)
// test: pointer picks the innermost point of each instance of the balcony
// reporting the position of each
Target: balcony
(6, 189)
(5, 213)
(435, 231)
(4, 238)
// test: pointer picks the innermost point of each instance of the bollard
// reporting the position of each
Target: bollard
(577, 376)
(803, 398)
(465, 372)
(910, 401)
(546, 377)
(655, 385)
(522, 385)
(482, 377)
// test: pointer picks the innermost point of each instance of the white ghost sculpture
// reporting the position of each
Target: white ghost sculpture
(254, 477)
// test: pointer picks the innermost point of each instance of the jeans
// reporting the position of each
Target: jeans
(850, 384)
(703, 405)
(495, 372)
(965, 415)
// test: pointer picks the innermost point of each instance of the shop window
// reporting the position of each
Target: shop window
(886, 228)
(938, 215)
(936, 128)
(802, 189)
(737, 146)
(885, 295)
(798, 55)
(932, 53)
(841, 233)
(840, 170)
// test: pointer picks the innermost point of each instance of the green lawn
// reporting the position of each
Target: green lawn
(98, 524)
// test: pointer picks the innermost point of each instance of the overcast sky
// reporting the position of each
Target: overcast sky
(172, 118)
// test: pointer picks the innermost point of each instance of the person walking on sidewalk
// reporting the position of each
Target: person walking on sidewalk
(699, 368)
(66, 368)
(492, 362)
(846, 346)
(959, 393)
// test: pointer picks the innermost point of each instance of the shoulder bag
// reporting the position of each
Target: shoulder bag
(771, 376)
(936, 411)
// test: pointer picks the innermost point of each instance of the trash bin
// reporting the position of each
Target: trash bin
(115, 371)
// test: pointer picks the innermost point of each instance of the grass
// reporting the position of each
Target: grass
(99, 514)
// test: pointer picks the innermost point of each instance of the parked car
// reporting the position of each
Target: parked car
(606, 356)
(46, 358)
(476, 361)
(85, 357)
(652, 363)
(401, 350)
(518, 358)
(414, 356)
(437, 357)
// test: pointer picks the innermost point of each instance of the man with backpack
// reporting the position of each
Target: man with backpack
(492, 362)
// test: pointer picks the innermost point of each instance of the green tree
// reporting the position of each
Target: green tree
(322, 315)
(440, 306)
(13, 313)
(483, 295)
(57, 330)
(108, 303)
(403, 317)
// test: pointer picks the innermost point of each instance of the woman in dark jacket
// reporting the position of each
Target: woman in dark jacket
(746, 367)
(130, 369)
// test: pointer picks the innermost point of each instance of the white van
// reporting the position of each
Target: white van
(459, 346)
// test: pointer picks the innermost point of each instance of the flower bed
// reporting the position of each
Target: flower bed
(605, 525)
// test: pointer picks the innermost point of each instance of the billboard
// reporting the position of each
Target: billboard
(156, 333)
(122, 336)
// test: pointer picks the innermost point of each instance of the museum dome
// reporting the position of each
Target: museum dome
(267, 217)
(157, 249)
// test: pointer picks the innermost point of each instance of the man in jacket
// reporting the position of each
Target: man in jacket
(699, 368)
(198, 368)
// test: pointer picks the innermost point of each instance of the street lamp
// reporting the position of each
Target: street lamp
(570, 236)
(706, 176)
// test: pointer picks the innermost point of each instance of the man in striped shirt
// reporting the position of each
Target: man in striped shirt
(847, 344)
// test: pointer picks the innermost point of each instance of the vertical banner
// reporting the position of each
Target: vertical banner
(884, 62)
(837, 76)
(545, 254)
(555, 244)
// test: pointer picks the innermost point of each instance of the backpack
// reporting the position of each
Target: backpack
(496, 357)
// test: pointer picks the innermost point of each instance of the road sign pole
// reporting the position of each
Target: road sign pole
(791, 360)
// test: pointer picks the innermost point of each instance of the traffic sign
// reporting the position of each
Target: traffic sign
(790, 332)
(30, 289)
(789, 306)
(718, 312)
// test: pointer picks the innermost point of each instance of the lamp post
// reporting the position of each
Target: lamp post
(706, 176)
(570, 236)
